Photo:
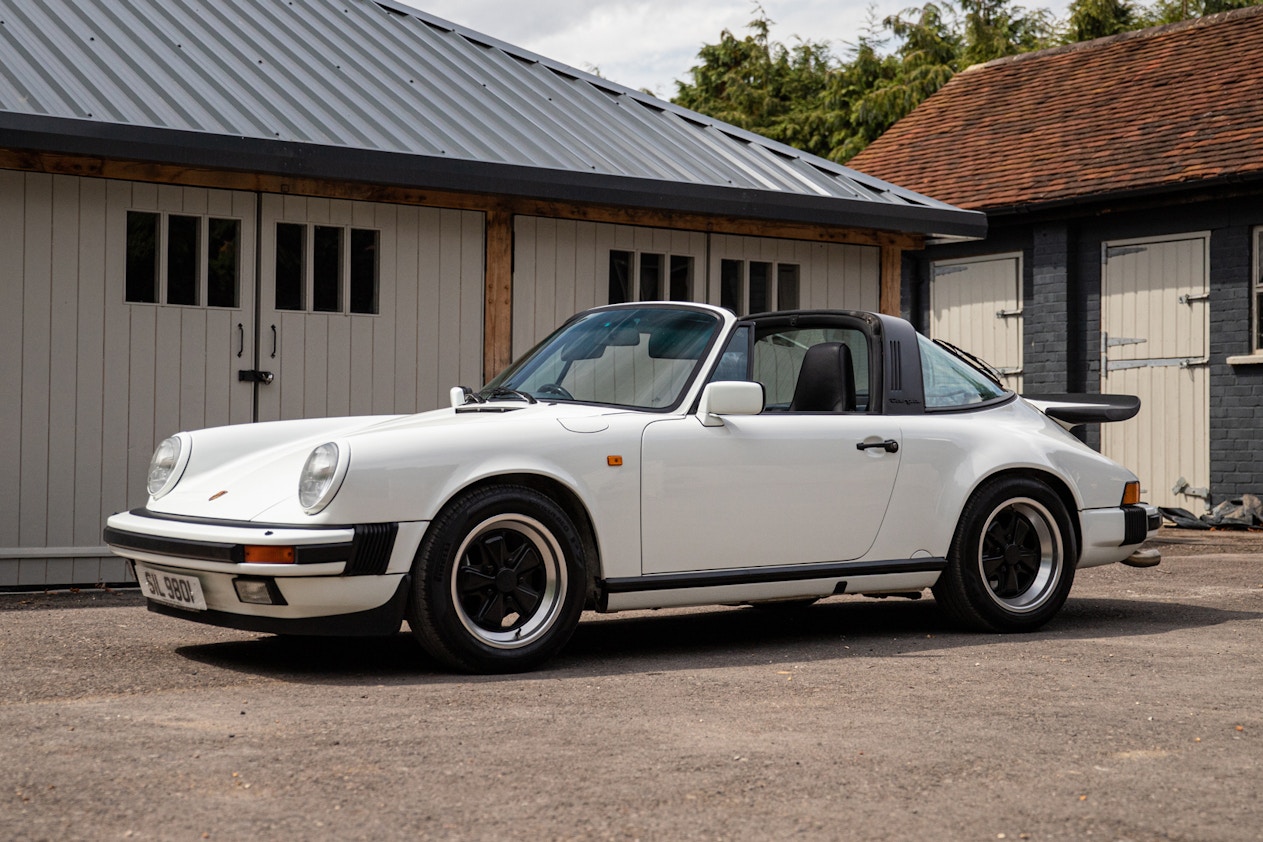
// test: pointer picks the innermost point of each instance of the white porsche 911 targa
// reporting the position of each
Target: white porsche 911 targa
(644, 455)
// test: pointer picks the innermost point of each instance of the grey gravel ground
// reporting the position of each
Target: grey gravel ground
(1136, 715)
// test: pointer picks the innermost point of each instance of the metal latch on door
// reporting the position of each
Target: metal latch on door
(253, 375)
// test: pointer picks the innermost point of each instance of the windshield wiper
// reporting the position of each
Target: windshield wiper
(992, 373)
(506, 392)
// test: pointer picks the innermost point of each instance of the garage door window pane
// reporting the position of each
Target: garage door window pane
(326, 270)
(364, 271)
(142, 257)
(183, 259)
(650, 277)
(620, 277)
(291, 249)
(223, 262)
(787, 287)
(681, 278)
(730, 292)
(760, 281)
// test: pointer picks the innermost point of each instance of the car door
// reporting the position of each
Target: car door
(788, 486)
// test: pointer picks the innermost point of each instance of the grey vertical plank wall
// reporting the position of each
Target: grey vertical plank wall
(12, 247)
(96, 380)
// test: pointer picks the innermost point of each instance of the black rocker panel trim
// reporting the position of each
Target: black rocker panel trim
(382, 621)
(763, 575)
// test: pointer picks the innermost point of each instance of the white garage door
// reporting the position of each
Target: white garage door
(1155, 325)
(976, 304)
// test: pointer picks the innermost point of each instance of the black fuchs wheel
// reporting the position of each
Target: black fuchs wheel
(1012, 559)
(498, 582)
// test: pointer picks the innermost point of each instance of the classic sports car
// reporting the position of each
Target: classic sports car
(644, 455)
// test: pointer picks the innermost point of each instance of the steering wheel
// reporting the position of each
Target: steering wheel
(555, 390)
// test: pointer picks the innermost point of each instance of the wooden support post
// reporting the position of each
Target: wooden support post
(891, 279)
(497, 315)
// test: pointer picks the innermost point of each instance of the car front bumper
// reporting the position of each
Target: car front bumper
(342, 580)
(1113, 534)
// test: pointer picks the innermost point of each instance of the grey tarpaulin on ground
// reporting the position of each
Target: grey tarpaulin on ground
(1244, 512)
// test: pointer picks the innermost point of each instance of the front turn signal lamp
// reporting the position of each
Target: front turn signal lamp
(1131, 493)
(269, 555)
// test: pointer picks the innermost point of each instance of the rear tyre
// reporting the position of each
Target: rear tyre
(1012, 559)
(498, 582)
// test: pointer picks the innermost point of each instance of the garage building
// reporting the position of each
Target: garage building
(234, 212)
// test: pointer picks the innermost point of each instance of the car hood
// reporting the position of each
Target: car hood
(250, 472)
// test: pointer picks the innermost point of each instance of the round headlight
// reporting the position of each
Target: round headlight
(167, 465)
(322, 475)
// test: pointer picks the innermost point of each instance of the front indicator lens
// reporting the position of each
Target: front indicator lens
(269, 555)
(166, 465)
(321, 476)
(1131, 493)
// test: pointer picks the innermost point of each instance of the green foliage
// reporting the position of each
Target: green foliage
(806, 96)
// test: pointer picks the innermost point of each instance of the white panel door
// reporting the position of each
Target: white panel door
(1155, 326)
(976, 304)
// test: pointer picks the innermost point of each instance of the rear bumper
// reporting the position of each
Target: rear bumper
(1113, 534)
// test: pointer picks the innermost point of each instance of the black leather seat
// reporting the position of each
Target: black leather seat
(826, 381)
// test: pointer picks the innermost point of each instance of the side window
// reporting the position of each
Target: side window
(778, 361)
(734, 363)
(184, 260)
(951, 383)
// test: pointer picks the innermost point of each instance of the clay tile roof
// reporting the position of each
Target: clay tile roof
(1170, 106)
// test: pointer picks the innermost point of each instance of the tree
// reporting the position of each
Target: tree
(764, 86)
(1099, 18)
(807, 97)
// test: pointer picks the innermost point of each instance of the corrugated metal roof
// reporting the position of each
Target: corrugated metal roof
(379, 92)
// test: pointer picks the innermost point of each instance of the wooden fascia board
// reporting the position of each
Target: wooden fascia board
(34, 161)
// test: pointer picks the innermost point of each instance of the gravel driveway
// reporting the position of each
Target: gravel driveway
(1136, 715)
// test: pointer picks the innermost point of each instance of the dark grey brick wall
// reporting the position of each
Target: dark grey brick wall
(1236, 392)
(1048, 331)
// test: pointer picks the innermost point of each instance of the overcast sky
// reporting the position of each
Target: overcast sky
(651, 43)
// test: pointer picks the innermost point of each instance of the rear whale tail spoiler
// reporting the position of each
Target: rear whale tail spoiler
(1086, 409)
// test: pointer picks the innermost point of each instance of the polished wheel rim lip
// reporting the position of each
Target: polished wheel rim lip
(1020, 555)
(509, 580)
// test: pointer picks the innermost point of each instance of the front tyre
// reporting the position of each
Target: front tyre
(498, 582)
(1012, 559)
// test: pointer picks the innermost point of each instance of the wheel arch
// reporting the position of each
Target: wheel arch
(570, 503)
(1055, 483)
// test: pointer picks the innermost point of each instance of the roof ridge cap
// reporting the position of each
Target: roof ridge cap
(1122, 37)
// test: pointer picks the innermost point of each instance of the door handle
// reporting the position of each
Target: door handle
(241, 339)
(889, 445)
(273, 341)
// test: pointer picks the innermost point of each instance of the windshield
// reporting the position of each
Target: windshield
(641, 357)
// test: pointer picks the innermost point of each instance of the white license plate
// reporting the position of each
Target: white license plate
(170, 588)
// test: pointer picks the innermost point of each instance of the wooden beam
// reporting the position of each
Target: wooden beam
(497, 314)
(35, 161)
(891, 279)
